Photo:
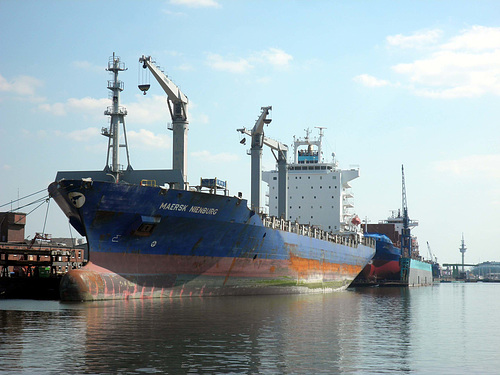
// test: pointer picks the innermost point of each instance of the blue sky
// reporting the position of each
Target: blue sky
(394, 82)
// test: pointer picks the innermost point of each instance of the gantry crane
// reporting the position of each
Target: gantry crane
(178, 107)
(258, 140)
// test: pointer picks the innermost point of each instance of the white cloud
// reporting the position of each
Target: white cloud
(176, 14)
(21, 85)
(88, 104)
(217, 62)
(83, 135)
(274, 57)
(148, 109)
(223, 157)
(147, 139)
(57, 109)
(416, 40)
(475, 38)
(197, 3)
(455, 73)
(467, 65)
(85, 105)
(80, 135)
(370, 81)
(473, 165)
(85, 65)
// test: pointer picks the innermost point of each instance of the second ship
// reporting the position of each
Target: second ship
(150, 234)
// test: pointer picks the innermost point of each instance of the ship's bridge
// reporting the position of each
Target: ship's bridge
(307, 156)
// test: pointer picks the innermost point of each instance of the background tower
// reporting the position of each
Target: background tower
(463, 249)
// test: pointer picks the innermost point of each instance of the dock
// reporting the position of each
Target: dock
(33, 268)
(35, 272)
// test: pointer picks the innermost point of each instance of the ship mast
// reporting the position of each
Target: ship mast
(117, 115)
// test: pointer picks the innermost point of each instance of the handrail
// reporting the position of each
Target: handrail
(351, 239)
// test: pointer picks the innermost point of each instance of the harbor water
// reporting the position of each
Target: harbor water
(442, 329)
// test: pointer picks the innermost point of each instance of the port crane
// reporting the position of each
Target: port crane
(178, 107)
(405, 234)
(258, 141)
(433, 258)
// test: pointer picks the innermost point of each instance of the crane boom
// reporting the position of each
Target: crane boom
(173, 92)
(269, 142)
(178, 107)
(258, 128)
(258, 140)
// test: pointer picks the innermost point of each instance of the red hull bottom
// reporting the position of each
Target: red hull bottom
(199, 276)
(382, 270)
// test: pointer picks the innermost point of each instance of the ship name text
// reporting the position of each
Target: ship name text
(188, 208)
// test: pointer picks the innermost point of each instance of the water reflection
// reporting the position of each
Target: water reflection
(386, 326)
(380, 330)
(264, 334)
(37, 335)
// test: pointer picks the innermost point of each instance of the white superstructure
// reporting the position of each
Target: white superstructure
(319, 193)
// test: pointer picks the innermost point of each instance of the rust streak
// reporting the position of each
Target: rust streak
(229, 271)
(304, 266)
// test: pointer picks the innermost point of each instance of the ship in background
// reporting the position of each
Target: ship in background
(150, 234)
(397, 260)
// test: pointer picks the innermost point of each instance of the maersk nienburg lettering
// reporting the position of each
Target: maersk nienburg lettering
(185, 207)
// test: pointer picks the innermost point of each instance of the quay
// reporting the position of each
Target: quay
(35, 273)
(33, 269)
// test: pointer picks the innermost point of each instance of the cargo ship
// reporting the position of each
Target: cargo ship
(385, 269)
(150, 234)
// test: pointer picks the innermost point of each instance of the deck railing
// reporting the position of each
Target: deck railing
(349, 239)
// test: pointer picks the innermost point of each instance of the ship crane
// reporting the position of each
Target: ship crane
(178, 107)
(258, 141)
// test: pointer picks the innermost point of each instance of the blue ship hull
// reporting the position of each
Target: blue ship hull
(385, 267)
(153, 242)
